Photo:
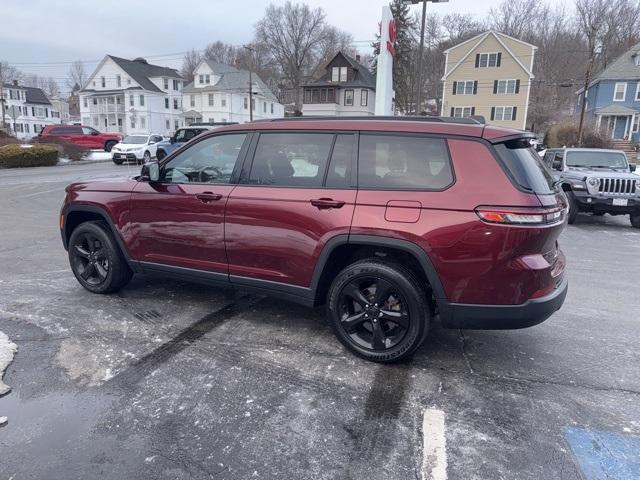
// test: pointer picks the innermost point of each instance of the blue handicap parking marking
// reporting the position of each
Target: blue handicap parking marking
(605, 455)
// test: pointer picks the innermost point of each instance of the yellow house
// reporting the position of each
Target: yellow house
(489, 75)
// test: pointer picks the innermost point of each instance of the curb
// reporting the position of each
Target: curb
(83, 162)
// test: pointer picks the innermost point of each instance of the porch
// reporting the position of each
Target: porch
(619, 122)
(107, 111)
(191, 117)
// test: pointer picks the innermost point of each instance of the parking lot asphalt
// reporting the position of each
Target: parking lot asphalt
(170, 380)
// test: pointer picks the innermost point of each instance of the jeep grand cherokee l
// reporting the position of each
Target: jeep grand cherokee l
(387, 222)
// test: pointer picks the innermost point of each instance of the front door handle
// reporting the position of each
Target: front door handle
(207, 197)
(325, 203)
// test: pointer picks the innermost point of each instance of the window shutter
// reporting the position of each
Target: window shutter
(499, 59)
(475, 87)
(493, 113)
(452, 111)
(517, 86)
(473, 111)
(455, 86)
(495, 87)
(513, 115)
(477, 60)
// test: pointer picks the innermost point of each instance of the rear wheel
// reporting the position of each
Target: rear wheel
(635, 219)
(117, 161)
(96, 259)
(378, 310)
(146, 158)
(574, 208)
(109, 145)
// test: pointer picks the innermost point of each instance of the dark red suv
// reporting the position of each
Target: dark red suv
(82, 136)
(389, 222)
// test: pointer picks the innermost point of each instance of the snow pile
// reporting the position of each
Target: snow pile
(7, 351)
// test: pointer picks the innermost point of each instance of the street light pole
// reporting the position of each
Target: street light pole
(421, 49)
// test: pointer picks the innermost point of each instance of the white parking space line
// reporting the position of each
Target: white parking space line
(434, 448)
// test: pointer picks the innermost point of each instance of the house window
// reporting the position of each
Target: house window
(343, 74)
(272, 109)
(488, 60)
(175, 104)
(207, 79)
(192, 99)
(103, 82)
(167, 124)
(264, 107)
(462, 112)
(339, 74)
(118, 80)
(466, 87)
(165, 83)
(506, 87)
(143, 122)
(128, 81)
(86, 103)
(211, 120)
(211, 99)
(315, 96)
(166, 102)
(246, 103)
(176, 124)
(133, 122)
(307, 96)
(620, 92)
(176, 85)
(253, 104)
(348, 98)
(142, 100)
(223, 102)
(130, 100)
(364, 97)
(503, 113)
(201, 79)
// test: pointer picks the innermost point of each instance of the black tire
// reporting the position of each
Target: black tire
(574, 208)
(96, 260)
(117, 162)
(146, 158)
(109, 145)
(635, 220)
(354, 295)
(160, 155)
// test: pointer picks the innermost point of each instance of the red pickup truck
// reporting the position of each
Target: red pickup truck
(82, 136)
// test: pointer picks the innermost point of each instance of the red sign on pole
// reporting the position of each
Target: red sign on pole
(393, 36)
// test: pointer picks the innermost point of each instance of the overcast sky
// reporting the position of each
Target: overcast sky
(42, 31)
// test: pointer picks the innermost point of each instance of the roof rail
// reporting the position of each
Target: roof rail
(475, 120)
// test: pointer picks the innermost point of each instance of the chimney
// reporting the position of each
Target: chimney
(358, 58)
(15, 83)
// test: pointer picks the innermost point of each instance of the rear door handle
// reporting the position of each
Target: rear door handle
(325, 203)
(206, 197)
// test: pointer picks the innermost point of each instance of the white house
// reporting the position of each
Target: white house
(27, 110)
(347, 88)
(132, 96)
(220, 93)
(62, 106)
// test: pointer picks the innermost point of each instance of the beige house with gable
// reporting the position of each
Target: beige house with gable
(489, 75)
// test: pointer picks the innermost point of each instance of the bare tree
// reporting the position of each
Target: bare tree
(517, 18)
(77, 75)
(592, 23)
(293, 33)
(189, 63)
(221, 52)
(8, 74)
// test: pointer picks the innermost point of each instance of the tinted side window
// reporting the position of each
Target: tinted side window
(58, 131)
(403, 162)
(88, 131)
(339, 171)
(291, 159)
(209, 161)
(525, 166)
(74, 131)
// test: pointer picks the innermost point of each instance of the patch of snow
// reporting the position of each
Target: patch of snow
(98, 155)
(3, 420)
(26, 145)
(7, 350)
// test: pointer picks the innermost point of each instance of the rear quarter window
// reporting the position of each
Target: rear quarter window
(403, 162)
(525, 167)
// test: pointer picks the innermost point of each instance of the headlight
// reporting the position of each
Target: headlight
(594, 182)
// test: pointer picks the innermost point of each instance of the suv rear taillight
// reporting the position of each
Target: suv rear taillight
(522, 216)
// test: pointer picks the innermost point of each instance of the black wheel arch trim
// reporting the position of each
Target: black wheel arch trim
(107, 218)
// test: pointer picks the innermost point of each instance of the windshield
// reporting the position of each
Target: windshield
(596, 159)
(135, 139)
(187, 134)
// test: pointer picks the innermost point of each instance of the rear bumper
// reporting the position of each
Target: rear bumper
(503, 317)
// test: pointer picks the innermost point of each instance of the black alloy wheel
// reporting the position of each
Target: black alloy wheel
(379, 310)
(89, 259)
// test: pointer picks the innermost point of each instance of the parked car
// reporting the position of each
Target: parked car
(136, 148)
(386, 221)
(82, 136)
(597, 181)
(183, 135)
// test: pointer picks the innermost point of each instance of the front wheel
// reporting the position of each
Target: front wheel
(96, 259)
(160, 155)
(574, 208)
(117, 161)
(635, 219)
(146, 158)
(378, 310)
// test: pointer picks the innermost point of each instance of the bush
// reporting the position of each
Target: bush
(6, 139)
(14, 156)
(67, 149)
(566, 135)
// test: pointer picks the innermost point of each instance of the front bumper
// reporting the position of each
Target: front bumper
(604, 204)
(126, 156)
(503, 317)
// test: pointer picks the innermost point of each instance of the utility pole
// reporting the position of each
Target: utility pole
(2, 100)
(587, 80)
(251, 50)
(421, 49)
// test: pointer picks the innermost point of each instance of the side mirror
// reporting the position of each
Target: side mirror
(94, 133)
(151, 142)
(154, 172)
(172, 139)
(632, 167)
(557, 165)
